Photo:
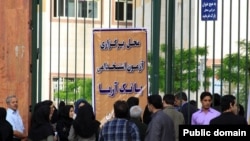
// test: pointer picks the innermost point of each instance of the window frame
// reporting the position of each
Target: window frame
(56, 13)
(125, 5)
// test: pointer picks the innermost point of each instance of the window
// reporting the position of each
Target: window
(87, 9)
(67, 8)
(123, 10)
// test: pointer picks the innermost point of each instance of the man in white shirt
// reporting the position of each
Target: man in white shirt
(14, 118)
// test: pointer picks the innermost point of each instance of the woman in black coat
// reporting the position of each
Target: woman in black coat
(64, 122)
(41, 128)
(6, 131)
(85, 126)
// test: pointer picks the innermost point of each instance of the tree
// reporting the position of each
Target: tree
(185, 75)
(80, 88)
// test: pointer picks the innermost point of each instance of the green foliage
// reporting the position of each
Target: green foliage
(234, 70)
(81, 88)
(185, 68)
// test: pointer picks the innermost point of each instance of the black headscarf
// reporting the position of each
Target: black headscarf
(41, 127)
(64, 122)
(85, 124)
(64, 115)
(60, 107)
(37, 106)
(78, 102)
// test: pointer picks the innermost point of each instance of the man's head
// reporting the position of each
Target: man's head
(3, 113)
(154, 102)
(121, 109)
(206, 100)
(12, 102)
(180, 98)
(135, 112)
(168, 99)
(193, 102)
(216, 99)
(228, 104)
(132, 101)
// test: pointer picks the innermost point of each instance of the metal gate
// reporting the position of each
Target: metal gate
(194, 45)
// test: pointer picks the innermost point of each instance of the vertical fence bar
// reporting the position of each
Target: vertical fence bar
(222, 44)
(118, 11)
(34, 55)
(109, 13)
(205, 59)
(93, 19)
(197, 47)
(101, 13)
(151, 47)
(134, 9)
(59, 45)
(76, 47)
(247, 61)
(213, 65)
(170, 45)
(50, 50)
(166, 46)
(40, 49)
(189, 57)
(181, 68)
(143, 13)
(126, 19)
(84, 56)
(230, 46)
(238, 63)
(155, 45)
(67, 53)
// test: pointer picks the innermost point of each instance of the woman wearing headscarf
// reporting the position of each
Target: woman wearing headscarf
(42, 103)
(41, 128)
(64, 122)
(85, 127)
(6, 131)
(79, 103)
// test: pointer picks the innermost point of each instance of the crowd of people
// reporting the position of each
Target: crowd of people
(159, 121)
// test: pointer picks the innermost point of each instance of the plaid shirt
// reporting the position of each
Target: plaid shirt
(119, 130)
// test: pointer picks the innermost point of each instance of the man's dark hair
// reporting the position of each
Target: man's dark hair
(204, 94)
(155, 100)
(181, 96)
(121, 109)
(225, 102)
(169, 99)
(193, 102)
(132, 101)
(216, 99)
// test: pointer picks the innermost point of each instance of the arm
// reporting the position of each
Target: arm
(16, 133)
(50, 138)
(153, 131)
(71, 136)
(100, 136)
(19, 134)
(193, 120)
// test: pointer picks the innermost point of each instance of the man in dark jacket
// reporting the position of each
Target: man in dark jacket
(229, 113)
(185, 107)
(161, 126)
